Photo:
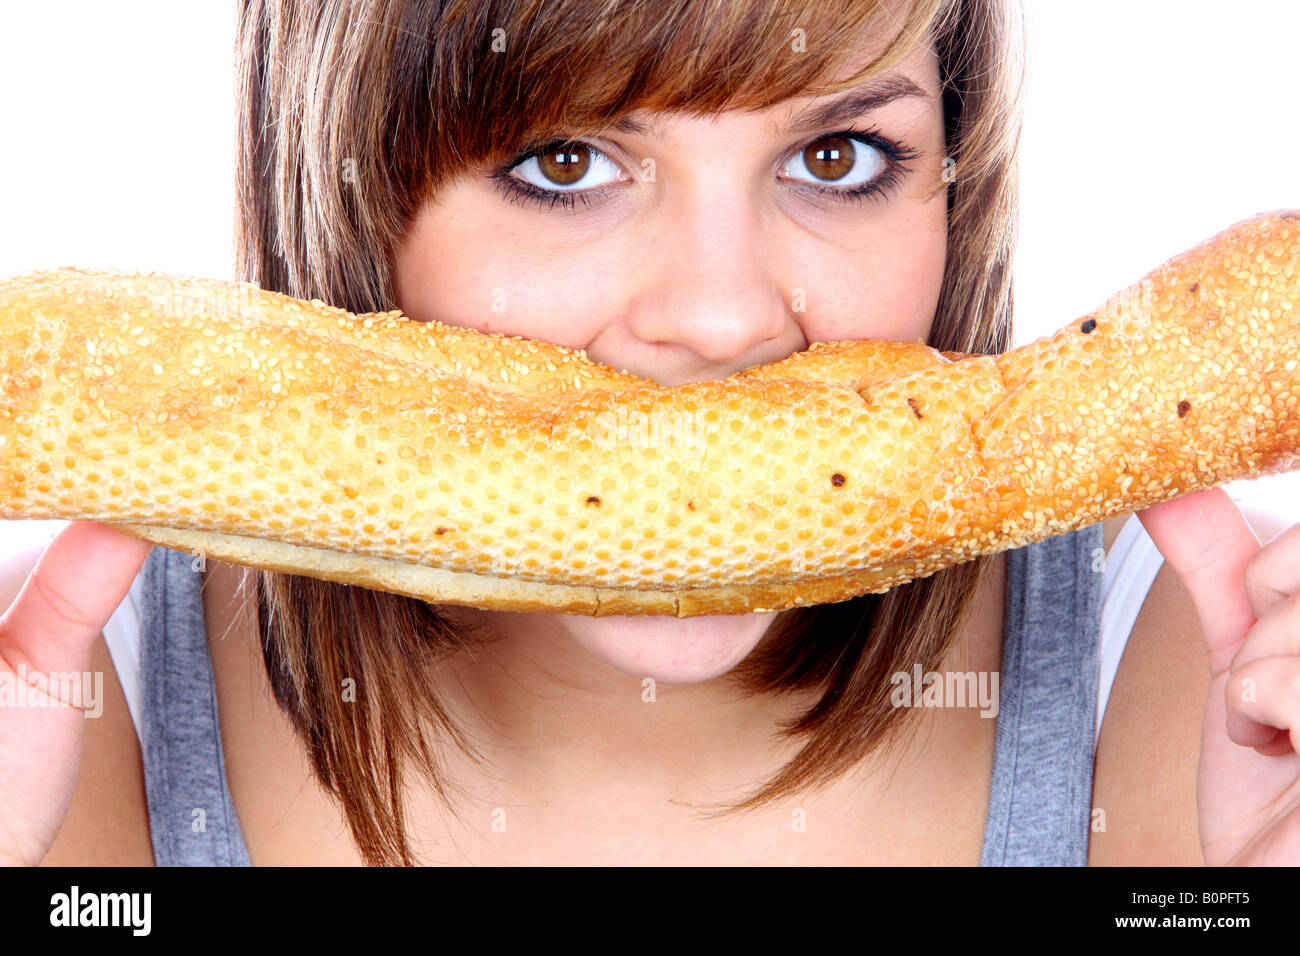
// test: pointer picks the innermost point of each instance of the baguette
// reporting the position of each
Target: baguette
(459, 467)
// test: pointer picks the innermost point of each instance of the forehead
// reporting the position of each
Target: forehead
(920, 62)
(913, 79)
(577, 81)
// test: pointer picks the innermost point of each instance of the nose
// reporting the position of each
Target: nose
(716, 290)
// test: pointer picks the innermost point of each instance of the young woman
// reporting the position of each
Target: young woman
(685, 189)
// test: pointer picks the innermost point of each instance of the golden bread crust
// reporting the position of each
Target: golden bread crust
(507, 473)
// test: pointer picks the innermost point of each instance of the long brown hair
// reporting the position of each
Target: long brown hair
(352, 112)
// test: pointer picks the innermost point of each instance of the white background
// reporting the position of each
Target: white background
(1149, 126)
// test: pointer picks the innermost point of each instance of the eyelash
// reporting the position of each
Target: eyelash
(896, 155)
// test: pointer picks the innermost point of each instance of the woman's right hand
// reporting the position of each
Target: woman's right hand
(50, 628)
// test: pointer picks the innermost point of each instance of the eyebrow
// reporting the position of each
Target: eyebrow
(870, 96)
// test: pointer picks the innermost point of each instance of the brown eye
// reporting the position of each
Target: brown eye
(561, 168)
(565, 164)
(839, 159)
(831, 158)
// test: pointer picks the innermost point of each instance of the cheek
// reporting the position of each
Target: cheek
(881, 284)
(469, 264)
(908, 279)
(460, 268)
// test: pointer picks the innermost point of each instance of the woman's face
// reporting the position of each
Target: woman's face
(683, 249)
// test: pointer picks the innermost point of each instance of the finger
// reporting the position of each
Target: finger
(1276, 634)
(79, 580)
(1206, 540)
(1279, 745)
(1273, 573)
(1263, 697)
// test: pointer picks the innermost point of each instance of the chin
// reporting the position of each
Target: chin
(672, 650)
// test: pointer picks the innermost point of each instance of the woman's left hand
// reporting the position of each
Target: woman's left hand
(1247, 598)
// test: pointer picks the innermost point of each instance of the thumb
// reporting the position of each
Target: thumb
(1206, 540)
(76, 585)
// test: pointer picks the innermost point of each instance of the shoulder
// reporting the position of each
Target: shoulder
(108, 821)
(1144, 784)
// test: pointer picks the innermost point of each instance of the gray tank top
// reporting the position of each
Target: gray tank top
(1039, 804)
